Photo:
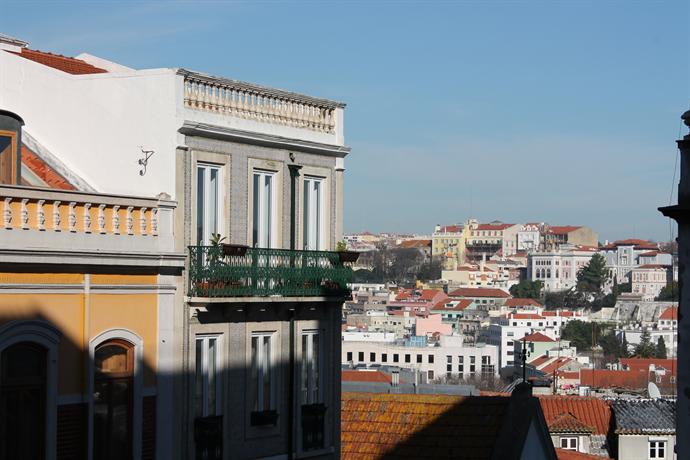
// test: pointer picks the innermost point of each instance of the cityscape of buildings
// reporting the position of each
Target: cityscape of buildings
(175, 284)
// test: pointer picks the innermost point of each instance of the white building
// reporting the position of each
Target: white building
(558, 269)
(451, 359)
(624, 255)
(648, 280)
(529, 237)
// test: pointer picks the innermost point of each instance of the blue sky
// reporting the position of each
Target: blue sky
(564, 112)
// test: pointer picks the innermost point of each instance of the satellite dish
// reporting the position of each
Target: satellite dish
(653, 390)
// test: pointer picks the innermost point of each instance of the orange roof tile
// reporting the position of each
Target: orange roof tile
(592, 412)
(539, 360)
(537, 337)
(493, 226)
(642, 364)
(479, 292)
(59, 62)
(563, 454)
(557, 364)
(407, 244)
(563, 229)
(459, 305)
(42, 170)
(365, 376)
(670, 313)
(375, 426)
(429, 294)
(568, 423)
(525, 316)
(520, 302)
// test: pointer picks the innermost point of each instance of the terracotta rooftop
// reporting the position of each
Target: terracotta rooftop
(563, 229)
(520, 302)
(376, 426)
(56, 61)
(564, 454)
(451, 229)
(479, 292)
(415, 244)
(43, 171)
(429, 294)
(670, 313)
(537, 337)
(365, 376)
(525, 316)
(458, 305)
(591, 412)
(555, 365)
(638, 244)
(568, 423)
(642, 364)
(493, 226)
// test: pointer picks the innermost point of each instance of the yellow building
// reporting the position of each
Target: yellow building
(87, 289)
(448, 242)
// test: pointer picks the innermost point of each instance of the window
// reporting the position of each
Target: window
(262, 382)
(430, 375)
(407, 358)
(8, 157)
(419, 359)
(449, 368)
(23, 386)
(372, 357)
(349, 356)
(449, 359)
(384, 357)
(472, 364)
(657, 449)
(313, 213)
(461, 366)
(569, 442)
(396, 357)
(311, 367)
(207, 203)
(263, 231)
(207, 388)
(360, 355)
(112, 400)
(431, 359)
(510, 343)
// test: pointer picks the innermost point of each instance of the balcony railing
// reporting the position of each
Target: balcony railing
(218, 271)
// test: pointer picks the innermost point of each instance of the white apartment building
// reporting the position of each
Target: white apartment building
(648, 280)
(624, 255)
(451, 359)
(503, 337)
(368, 336)
(558, 269)
(529, 237)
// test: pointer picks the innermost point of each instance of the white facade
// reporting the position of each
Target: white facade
(529, 238)
(366, 336)
(557, 269)
(649, 280)
(452, 357)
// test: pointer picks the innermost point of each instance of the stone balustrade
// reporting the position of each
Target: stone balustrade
(249, 101)
(38, 219)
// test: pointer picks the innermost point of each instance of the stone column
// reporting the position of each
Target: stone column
(681, 214)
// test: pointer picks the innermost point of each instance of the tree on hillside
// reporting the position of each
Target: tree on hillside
(579, 333)
(669, 292)
(645, 349)
(527, 289)
(625, 347)
(660, 351)
(592, 278)
(564, 299)
(431, 270)
(612, 347)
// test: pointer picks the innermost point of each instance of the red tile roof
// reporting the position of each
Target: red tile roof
(41, 169)
(459, 305)
(638, 244)
(493, 226)
(642, 364)
(365, 376)
(429, 294)
(563, 229)
(451, 228)
(670, 313)
(568, 423)
(649, 254)
(415, 244)
(376, 426)
(537, 337)
(519, 302)
(525, 316)
(538, 361)
(479, 292)
(556, 364)
(592, 412)
(563, 454)
(59, 62)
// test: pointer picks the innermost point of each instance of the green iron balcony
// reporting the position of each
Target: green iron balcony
(240, 271)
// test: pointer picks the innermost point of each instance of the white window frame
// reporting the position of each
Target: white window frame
(571, 442)
(269, 362)
(313, 223)
(205, 239)
(309, 354)
(260, 226)
(653, 447)
(205, 340)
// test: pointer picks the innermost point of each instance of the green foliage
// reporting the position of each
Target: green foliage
(593, 276)
(660, 351)
(669, 292)
(216, 239)
(431, 270)
(341, 246)
(579, 333)
(612, 347)
(564, 299)
(526, 289)
(645, 349)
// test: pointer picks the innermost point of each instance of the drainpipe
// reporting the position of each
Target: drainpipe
(294, 175)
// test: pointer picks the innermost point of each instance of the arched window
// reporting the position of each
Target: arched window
(113, 393)
(23, 388)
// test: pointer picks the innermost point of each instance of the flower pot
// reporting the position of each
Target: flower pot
(234, 250)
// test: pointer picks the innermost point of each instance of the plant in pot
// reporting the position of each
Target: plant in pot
(344, 254)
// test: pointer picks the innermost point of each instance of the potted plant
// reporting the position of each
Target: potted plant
(344, 254)
(238, 250)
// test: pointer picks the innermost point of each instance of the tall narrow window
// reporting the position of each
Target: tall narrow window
(207, 381)
(263, 218)
(311, 369)
(23, 401)
(313, 213)
(112, 400)
(262, 391)
(207, 203)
